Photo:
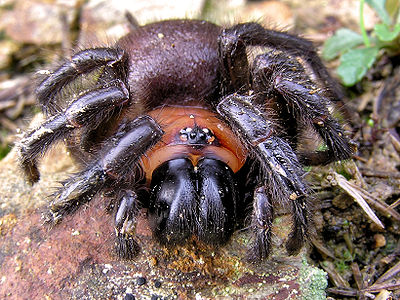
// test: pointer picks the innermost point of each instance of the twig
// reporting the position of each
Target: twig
(354, 191)
(350, 292)
(389, 273)
(322, 249)
(379, 174)
(336, 278)
(377, 287)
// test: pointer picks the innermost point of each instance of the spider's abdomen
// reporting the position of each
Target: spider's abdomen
(193, 133)
(172, 62)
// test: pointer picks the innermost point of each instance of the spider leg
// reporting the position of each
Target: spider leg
(117, 160)
(125, 221)
(276, 73)
(87, 111)
(282, 172)
(281, 67)
(263, 215)
(237, 43)
(83, 62)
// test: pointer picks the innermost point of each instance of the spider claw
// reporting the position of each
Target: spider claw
(126, 246)
(50, 218)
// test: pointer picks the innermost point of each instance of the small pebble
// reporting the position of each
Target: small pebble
(380, 240)
(141, 281)
(129, 297)
(153, 261)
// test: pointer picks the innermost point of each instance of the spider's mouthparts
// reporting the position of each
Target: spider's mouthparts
(188, 200)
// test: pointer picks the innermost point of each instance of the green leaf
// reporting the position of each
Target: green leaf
(355, 63)
(392, 7)
(343, 40)
(379, 7)
(385, 34)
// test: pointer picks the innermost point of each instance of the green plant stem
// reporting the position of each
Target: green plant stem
(362, 26)
(398, 16)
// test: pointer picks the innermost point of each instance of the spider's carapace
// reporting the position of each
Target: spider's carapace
(195, 133)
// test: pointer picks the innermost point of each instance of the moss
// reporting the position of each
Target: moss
(4, 151)
(313, 282)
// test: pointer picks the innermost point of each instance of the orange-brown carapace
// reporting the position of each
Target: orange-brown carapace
(193, 132)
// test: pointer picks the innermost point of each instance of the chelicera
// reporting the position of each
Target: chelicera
(196, 123)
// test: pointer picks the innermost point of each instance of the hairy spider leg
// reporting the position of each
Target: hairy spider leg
(118, 161)
(82, 62)
(277, 73)
(125, 223)
(233, 43)
(88, 111)
(261, 223)
(282, 172)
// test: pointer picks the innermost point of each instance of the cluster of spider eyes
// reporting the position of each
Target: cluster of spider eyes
(189, 134)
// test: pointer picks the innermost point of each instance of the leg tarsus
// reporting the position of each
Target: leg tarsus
(301, 227)
(261, 224)
(126, 246)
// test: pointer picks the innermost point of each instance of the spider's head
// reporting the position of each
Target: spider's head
(193, 189)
